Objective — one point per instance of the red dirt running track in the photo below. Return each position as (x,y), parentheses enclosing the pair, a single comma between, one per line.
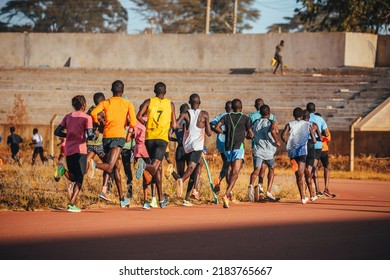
(354,225)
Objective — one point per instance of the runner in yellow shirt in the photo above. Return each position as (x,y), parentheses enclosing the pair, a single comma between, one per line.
(161,117)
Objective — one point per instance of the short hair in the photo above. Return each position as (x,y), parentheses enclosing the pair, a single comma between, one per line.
(193,97)
(265,110)
(184,107)
(117,87)
(160,88)
(258,103)
(228,105)
(311,107)
(298,112)
(306,115)
(35,130)
(98,97)
(12,129)
(78,101)
(236,104)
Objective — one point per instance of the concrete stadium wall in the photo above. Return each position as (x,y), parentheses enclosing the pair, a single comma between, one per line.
(383,53)
(195,51)
(360,49)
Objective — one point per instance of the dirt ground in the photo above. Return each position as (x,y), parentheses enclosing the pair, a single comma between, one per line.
(353,226)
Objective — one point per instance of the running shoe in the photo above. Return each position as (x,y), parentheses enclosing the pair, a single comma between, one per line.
(146,205)
(163,203)
(125,202)
(92,167)
(225,202)
(73,208)
(195,194)
(314,198)
(261,190)
(271,197)
(168,171)
(319,194)
(251,194)
(186,203)
(153,203)
(232,197)
(294,164)
(102,195)
(60,171)
(305,200)
(140,168)
(328,194)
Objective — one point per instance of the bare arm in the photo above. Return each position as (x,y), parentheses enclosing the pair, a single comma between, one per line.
(275,133)
(250,134)
(173,116)
(312,134)
(285,133)
(142,111)
(207,124)
(218,128)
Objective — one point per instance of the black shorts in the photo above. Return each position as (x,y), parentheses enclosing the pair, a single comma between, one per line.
(97,149)
(77,166)
(109,143)
(312,154)
(180,154)
(194,156)
(324,159)
(301,159)
(156,148)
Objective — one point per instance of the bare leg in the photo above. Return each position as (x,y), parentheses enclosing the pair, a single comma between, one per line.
(236,167)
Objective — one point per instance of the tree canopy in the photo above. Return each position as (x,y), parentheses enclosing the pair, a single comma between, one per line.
(94,16)
(189,16)
(370,16)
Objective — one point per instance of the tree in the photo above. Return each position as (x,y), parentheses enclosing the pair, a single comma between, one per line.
(63,16)
(370,16)
(189,16)
(18,114)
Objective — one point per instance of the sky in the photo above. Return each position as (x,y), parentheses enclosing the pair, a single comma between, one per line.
(271,11)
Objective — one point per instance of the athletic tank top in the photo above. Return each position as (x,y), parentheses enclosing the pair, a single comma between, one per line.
(297,140)
(159,119)
(264,145)
(193,137)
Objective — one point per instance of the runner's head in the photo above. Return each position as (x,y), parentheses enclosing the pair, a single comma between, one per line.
(79,103)
(311,107)
(306,115)
(265,111)
(228,106)
(194,101)
(236,105)
(12,129)
(98,97)
(184,108)
(298,113)
(117,88)
(258,103)
(160,89)
(35,130)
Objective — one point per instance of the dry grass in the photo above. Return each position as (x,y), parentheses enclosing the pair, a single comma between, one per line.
(33,188)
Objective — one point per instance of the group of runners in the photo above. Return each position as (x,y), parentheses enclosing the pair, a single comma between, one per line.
(113,131)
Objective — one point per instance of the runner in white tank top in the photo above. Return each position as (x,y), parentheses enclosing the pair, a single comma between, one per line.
(194,136)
